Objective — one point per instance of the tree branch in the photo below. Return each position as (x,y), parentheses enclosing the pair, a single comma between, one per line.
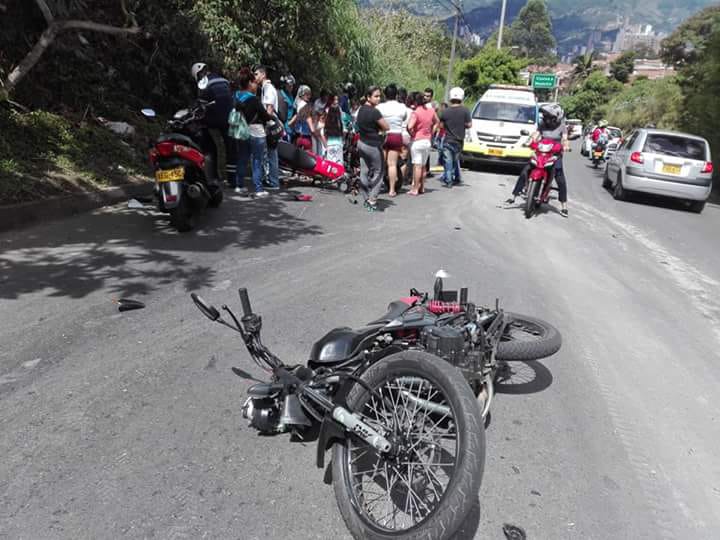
(96,27)
(42,5)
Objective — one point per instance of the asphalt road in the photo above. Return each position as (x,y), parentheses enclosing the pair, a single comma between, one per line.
(128,425)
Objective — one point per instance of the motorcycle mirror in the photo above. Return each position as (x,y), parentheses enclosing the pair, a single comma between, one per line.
(148,113)
(181,114)
(209,311)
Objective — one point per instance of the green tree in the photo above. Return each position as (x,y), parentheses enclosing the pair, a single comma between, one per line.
(686,43)
(587,98)
(622,68)
(532,33)
(490,66)
(644,102)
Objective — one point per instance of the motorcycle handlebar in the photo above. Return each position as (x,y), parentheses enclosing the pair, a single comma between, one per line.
(245,301)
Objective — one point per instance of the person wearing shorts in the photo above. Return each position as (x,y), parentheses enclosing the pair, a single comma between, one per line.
(395,114)
(421,125)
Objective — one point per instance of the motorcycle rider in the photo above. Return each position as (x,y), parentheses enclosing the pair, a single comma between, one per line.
(216,89)
(600,133)
(552,126)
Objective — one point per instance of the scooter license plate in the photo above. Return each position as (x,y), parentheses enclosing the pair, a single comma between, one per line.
(496,152)
(170,175)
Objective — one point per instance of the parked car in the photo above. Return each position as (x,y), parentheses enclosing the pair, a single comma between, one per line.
(666,163)
(574,128)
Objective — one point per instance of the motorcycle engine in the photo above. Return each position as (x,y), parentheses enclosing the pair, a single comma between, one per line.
(263,414)
(447,342)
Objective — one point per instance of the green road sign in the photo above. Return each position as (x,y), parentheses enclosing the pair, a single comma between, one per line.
(543,80)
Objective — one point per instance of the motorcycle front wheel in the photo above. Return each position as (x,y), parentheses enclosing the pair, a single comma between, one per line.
(428,483)
(533,191)
(528,338)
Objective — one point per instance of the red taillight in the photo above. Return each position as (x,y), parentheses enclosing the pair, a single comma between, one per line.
(708,168)
(637,157)
(165,149)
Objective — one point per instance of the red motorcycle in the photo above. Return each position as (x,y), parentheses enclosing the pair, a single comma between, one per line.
(540,178)
(310,165)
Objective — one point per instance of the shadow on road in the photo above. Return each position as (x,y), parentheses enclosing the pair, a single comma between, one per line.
(134,251)
(523,378)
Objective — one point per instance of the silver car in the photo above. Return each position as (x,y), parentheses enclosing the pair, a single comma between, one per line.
(662,163)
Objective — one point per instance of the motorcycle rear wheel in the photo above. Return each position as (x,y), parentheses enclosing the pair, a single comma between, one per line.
(182,217)
(430,414)
(528,338)
(533,191)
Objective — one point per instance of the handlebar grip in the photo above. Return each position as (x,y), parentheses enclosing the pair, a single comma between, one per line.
(245,301)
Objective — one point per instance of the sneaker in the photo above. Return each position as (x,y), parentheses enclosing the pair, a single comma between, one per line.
(261,194)
(272,188)
(564,212)
(238,190)
(511,200)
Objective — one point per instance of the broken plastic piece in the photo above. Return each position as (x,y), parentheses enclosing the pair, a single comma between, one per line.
(303,197)
(126,304)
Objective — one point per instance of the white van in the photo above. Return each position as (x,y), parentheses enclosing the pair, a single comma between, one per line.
(502,121)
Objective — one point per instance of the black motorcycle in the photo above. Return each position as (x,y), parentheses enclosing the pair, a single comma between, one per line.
(401,402)
(185,174)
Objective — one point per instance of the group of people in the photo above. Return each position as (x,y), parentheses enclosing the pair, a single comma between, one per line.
(395,129)
(402,126)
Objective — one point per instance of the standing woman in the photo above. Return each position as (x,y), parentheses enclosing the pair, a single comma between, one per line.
(256,116)
(333,134)
(420,126)
(370,124)
(395,114)
(302,123)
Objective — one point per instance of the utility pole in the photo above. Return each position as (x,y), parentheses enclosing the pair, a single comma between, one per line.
(458,14)
(502,24)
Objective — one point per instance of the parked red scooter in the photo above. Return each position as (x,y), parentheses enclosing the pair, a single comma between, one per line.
(540,178)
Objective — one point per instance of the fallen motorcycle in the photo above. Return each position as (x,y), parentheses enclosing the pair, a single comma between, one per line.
(401,402)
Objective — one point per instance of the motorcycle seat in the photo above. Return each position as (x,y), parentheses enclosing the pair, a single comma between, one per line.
(180,139)
(338,345)
(395,310)
(295,157)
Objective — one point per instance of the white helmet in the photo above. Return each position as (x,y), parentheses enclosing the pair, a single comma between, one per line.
(457,94)
(197,68)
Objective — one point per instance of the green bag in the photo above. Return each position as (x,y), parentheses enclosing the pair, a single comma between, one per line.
(238,126)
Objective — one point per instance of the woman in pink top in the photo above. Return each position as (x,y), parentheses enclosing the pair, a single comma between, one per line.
(421,125)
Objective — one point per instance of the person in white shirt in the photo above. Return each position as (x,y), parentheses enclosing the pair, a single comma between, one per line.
(396,115)
(269,99)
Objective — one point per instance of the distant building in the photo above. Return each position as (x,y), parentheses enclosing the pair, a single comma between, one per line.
(652,69)
(633,36)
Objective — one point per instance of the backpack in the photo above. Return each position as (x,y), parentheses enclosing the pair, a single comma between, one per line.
(239,128)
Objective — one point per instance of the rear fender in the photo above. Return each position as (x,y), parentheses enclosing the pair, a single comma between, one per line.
(171,192)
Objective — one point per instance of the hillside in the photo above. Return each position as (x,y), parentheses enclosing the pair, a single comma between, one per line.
(573,20)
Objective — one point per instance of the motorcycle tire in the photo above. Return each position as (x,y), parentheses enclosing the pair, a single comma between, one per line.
(216,199)
(528,338)
(533,191)
(460,494)
(182,216)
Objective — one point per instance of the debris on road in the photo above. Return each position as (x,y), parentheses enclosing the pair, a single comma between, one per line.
(126,304)
(303,197)
(134,203)
(513,532)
